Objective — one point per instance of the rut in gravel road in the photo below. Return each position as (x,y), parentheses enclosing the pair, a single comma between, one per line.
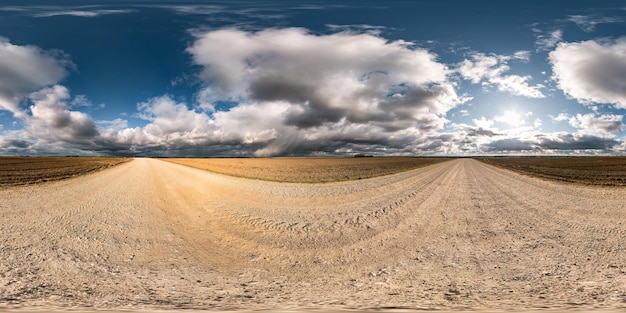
(458,233)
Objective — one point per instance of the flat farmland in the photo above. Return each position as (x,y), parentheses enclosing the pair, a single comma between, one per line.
(602,171)
(15,171)
(308,170)
(454,235)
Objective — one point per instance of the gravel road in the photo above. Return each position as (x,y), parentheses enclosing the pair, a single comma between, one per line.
(460,234)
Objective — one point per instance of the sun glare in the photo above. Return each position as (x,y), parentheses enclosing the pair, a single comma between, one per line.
(512,118)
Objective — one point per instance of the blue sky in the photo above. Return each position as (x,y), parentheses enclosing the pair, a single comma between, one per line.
(276,78)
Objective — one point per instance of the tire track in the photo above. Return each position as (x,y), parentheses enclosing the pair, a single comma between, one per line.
(373,211)
(455,234)
(244,229)
(585,207)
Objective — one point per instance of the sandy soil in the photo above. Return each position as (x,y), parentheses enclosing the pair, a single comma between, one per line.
(461,234)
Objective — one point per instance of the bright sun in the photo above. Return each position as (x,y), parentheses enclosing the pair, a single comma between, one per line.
(511,118)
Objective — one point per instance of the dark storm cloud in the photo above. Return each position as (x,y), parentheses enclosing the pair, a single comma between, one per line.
(576,142)
(479,131)
(509,144)
(13,143)
(562,142)
(315,111)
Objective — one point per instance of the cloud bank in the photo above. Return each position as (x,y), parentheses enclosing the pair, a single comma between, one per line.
(296,93)
(299,93)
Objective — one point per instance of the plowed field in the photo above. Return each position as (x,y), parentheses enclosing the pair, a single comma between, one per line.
(602,171)
(16,171)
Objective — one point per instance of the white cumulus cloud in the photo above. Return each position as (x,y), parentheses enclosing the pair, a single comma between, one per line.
(25,69)
(483,122)
(592,71)
(51,116)
(323,82)
(491,70)
(170,125)
(598,124)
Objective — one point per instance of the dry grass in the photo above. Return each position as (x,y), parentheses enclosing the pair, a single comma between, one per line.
(602,171)
(15,171)
(309,170)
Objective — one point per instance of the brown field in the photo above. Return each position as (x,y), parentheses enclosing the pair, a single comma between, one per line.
(602,171)
(15,171)
(457,235)
(308,170)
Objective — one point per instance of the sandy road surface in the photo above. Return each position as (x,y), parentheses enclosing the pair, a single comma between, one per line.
(459,234)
